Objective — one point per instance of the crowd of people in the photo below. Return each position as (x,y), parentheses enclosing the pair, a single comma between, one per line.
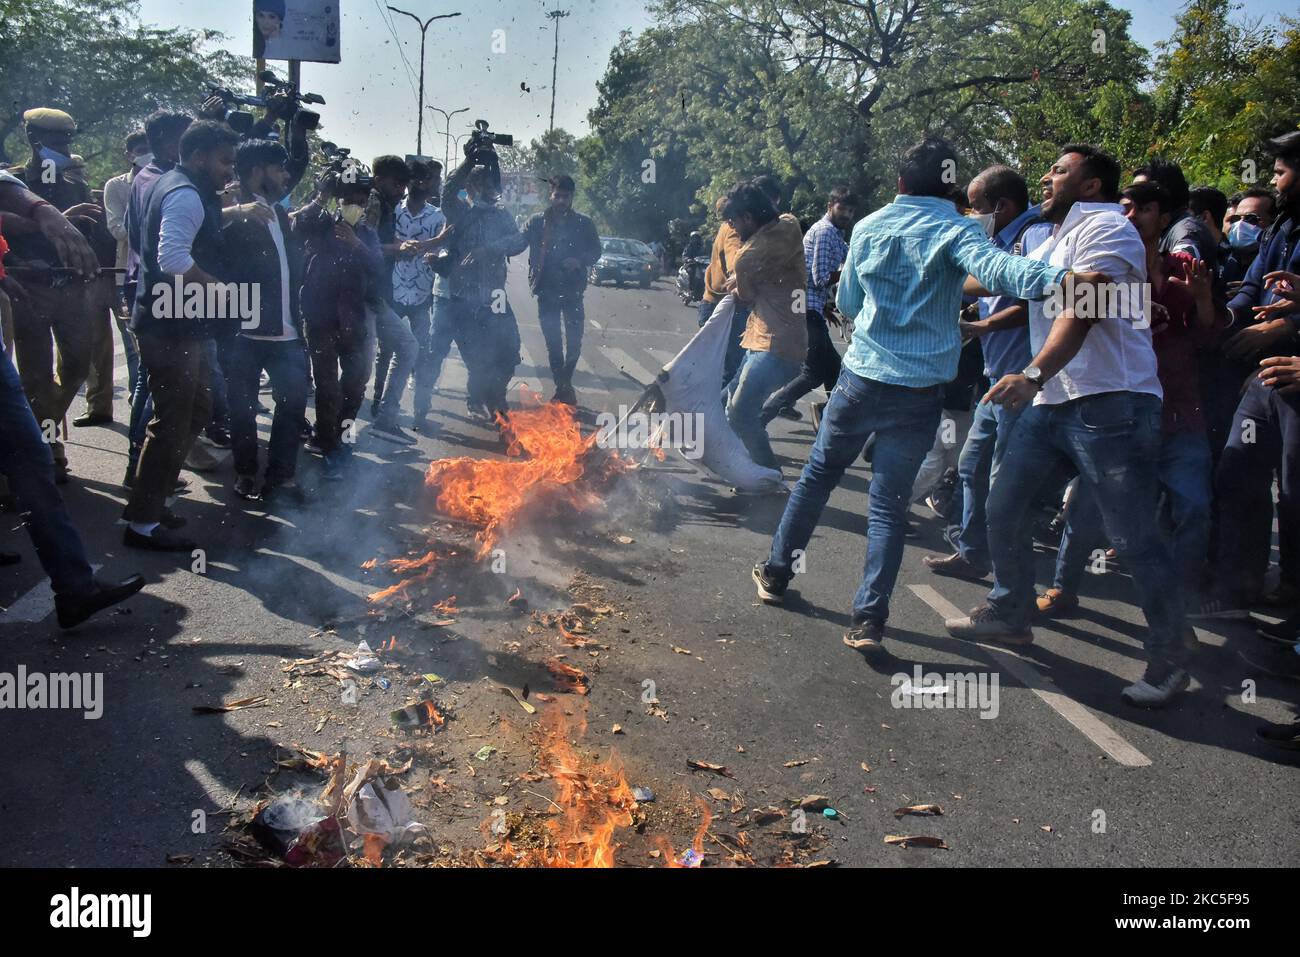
(1113,369)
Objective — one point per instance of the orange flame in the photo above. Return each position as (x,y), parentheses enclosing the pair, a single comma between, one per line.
(672,859)
(547,458)
(592,800)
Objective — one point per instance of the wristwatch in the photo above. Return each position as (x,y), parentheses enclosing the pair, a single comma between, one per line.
(1035,376)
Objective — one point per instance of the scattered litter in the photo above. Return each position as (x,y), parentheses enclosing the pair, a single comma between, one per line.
(690,858)
(865,767)
(432,678)
(424,714)
(570,680)
(815,802)
(485,752)
(914,841)
(681,651)
(257,702)
(518,700)
(794,764)
(383,683)
(297,830)
(831,813)
(719,795)
(625,540)
(617,729)
(706,766)
(921,810)
(363,660)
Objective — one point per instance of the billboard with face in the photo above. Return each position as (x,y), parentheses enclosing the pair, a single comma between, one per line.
(296,30)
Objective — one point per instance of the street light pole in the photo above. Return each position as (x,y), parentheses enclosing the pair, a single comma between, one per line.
(424,28)
(557,15)
(446,155)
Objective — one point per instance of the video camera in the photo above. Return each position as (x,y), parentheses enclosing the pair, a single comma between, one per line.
(241,121)
(307,119)
(342,169)
(481,149)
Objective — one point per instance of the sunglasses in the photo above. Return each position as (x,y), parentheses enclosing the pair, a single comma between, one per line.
(1248,218)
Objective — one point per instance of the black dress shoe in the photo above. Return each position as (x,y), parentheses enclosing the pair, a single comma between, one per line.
(74,609)
(86,420)
(161,540)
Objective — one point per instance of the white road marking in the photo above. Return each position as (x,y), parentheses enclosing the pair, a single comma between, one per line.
(629,365)
(35,606)
(1096,731)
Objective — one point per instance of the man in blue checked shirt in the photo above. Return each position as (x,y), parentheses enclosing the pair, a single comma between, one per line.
(825,251)
(903,283)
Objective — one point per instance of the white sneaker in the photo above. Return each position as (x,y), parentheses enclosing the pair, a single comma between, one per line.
(1157,686)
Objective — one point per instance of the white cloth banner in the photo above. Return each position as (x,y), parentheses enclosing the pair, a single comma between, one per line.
(694,388)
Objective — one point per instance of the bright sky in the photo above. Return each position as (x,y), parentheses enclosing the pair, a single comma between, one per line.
(371,100)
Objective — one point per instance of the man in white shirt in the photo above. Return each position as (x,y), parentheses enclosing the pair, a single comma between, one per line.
(419,228)
(264,256)
(1097,407)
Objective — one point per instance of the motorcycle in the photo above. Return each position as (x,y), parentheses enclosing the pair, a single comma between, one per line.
(690,279)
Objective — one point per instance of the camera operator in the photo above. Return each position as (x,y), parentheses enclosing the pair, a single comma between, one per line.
(340,274)
(72,310)
(395,336)
(267,258)
(484,237)
(180,241)
(281,107)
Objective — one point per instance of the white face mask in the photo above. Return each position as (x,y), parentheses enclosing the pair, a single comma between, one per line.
(987,221)
(352,213)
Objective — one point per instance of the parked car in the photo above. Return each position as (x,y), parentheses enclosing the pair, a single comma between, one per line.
(625,261)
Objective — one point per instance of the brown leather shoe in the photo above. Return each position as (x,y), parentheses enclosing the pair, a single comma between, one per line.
(954,566)
(1055,603)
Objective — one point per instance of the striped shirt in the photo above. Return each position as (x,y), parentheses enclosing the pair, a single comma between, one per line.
(824,249)
(902,285)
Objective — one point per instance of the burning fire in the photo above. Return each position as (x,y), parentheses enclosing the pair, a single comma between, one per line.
(548,455)
(592,802)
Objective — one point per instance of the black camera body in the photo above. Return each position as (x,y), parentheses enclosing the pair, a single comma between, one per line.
(342,169)
(241,121)
(481,149)
(273,85)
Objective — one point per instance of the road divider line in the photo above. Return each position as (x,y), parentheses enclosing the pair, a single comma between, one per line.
(1087,723)
(625,363)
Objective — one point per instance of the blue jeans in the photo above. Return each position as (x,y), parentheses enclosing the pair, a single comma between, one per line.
(436,336)
(1184,470)
(986,444)
(1113,439)
(761,374)
(286,364)
(27,462)
(735,352)
(904,421)
(396,338)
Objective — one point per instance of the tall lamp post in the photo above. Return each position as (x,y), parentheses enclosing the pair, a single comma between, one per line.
(557,15)
(446,155)
(424,29)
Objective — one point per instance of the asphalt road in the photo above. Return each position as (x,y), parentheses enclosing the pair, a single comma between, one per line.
(1054,770)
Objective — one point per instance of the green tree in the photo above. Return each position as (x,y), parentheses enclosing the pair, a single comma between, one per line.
(97,61)
(1226,86)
